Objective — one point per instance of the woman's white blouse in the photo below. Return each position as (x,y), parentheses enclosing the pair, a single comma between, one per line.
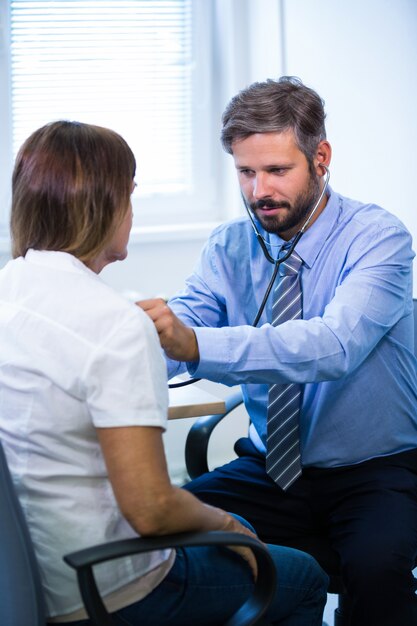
(74,355)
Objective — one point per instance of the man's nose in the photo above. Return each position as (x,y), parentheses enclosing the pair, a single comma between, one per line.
(262,186)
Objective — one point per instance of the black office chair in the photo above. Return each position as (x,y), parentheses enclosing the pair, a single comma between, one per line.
(196,459)
(21,597)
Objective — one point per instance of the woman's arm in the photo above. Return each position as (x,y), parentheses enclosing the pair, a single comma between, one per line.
(138,473)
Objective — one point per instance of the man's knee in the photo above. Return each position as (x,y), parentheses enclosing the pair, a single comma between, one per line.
(382,572)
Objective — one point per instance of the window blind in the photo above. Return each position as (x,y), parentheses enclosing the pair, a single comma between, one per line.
(124,64)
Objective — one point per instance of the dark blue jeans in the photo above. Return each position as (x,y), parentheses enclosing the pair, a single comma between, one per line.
(207,585)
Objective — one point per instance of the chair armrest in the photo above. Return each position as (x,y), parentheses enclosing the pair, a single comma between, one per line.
(249,613)
(196,445)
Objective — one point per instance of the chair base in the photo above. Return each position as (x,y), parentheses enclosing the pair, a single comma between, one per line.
(339,619)
(342,612)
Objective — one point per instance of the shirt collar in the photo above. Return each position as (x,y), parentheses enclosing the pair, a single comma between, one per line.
(59,261)
(316,235)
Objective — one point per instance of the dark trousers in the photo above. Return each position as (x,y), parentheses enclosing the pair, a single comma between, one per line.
(367,513)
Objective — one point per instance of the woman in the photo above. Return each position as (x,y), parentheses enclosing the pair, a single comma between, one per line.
(84,404)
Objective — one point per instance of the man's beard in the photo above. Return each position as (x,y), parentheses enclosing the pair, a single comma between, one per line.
(298,211)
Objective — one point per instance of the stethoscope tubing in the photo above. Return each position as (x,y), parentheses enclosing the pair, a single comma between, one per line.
(281,259)
(276,262)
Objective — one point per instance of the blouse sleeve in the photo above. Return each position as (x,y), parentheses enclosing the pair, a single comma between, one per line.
(126,377)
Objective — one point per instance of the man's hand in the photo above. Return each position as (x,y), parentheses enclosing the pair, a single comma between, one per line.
(178,341)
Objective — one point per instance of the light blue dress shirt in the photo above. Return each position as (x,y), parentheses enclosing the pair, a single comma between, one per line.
(353,349)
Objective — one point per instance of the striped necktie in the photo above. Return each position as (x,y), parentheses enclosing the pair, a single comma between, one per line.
(283,444)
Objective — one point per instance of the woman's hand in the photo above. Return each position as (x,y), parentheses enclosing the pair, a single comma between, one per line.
(234,526)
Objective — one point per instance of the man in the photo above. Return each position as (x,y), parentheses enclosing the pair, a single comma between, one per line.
(330,364)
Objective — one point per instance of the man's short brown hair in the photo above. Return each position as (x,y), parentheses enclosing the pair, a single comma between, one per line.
(276,106)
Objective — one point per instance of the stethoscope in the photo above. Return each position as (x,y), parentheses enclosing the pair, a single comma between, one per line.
(288,252)
(281,258)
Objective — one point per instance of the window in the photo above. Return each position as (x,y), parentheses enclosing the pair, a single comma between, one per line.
(157,71)
(137,66)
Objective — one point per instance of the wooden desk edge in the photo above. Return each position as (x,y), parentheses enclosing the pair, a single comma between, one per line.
(196,410)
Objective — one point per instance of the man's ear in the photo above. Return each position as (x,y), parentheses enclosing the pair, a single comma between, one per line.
(323,156)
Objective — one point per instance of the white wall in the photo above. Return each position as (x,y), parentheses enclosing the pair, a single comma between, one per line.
(361,56)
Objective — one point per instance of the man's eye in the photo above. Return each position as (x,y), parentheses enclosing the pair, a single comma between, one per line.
(246,172)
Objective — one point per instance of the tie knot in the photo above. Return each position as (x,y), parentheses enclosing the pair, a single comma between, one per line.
(291,265)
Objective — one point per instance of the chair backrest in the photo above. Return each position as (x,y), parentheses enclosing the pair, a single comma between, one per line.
(21,595)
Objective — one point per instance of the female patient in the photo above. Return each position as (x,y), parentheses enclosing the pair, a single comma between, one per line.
(83,404)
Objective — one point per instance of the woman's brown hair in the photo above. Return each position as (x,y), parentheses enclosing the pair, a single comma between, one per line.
(70,189)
